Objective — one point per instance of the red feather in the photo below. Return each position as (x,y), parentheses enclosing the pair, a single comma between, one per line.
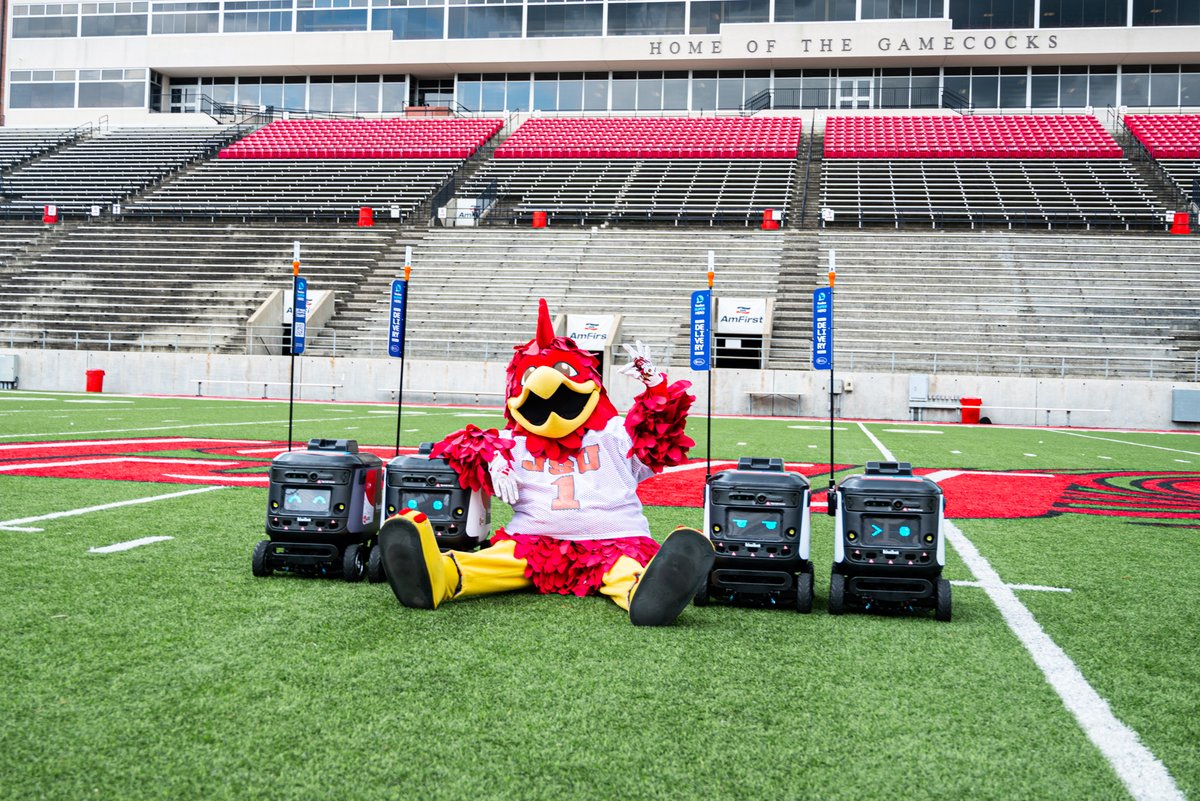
(470,451)
(656,424)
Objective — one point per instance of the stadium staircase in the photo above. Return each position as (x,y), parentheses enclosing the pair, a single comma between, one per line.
(133,285)
(800,273)
(1078,304)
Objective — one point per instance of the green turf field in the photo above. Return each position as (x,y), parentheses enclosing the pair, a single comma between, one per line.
(169,671)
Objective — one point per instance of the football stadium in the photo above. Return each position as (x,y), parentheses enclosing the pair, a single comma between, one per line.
(847,349)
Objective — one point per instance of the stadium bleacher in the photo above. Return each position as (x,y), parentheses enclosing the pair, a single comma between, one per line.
(107,167)
(1009,303)
(397,138)
(1017,171)
(1173,140)
(637,273)
(1063,136)
(129,285)
(655,138)
(1167,136)
(18,145)
(295,188)
(669,171)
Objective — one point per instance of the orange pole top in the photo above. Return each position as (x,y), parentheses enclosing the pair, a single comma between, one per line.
(407,272)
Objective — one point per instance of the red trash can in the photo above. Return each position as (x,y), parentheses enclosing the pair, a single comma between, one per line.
(539,219)
(366,217)
(1181,224)
(95,381)
(769,222)
(970,408)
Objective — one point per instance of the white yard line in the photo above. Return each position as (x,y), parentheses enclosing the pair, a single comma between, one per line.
(263,479)
(173,427)
(1144,776)
(18,466)
(1126,442)
(75,443)
(886,453)
(103,507)
(127,546)
(1035,587)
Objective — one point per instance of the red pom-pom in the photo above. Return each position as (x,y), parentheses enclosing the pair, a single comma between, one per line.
(656,423)
(470,451)
(574,567)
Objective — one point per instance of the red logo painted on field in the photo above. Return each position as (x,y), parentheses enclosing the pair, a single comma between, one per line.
(969,493)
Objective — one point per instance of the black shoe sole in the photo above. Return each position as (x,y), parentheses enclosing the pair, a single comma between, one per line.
(404,563)
(672,578)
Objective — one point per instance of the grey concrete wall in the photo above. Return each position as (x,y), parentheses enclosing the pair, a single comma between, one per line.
(1099,402)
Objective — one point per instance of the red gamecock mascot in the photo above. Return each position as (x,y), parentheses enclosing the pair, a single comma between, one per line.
(570,467)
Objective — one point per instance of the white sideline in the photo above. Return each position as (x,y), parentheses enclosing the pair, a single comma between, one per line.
(127,546)
(1144,776)
(116,505)
(1125,442)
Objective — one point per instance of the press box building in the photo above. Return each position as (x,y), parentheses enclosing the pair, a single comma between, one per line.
(139,61)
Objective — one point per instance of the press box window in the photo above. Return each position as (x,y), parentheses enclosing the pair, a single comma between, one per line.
(41,89)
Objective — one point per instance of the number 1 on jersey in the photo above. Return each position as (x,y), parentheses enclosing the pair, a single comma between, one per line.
(566,494)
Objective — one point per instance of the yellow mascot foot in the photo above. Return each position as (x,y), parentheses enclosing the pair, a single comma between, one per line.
(415,567)
(672,578)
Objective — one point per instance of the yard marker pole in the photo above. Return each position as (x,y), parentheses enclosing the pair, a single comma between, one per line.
(292,343)
(713,356)
(397,329)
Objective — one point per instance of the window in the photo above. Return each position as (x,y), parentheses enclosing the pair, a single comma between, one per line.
(45,21)
(185,17)
(1083,13)
(1166,12)
(708,15)
(258,16)
(565,19)
(903,9)
(41,89)
(991,13)
(410,19)
(645,19)
(331,15)
(813,10)
(471,19)
(112,88)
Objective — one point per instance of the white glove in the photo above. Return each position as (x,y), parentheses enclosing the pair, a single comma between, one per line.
(640,366)
(504,481)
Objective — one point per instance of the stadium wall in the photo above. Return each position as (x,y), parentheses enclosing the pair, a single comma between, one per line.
(1110,403)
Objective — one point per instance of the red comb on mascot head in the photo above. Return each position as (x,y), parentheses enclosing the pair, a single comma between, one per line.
(569,465)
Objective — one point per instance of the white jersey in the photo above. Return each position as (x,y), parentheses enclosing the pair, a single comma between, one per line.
(590,496)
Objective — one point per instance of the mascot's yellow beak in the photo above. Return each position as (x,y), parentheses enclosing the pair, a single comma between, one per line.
(552,405)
